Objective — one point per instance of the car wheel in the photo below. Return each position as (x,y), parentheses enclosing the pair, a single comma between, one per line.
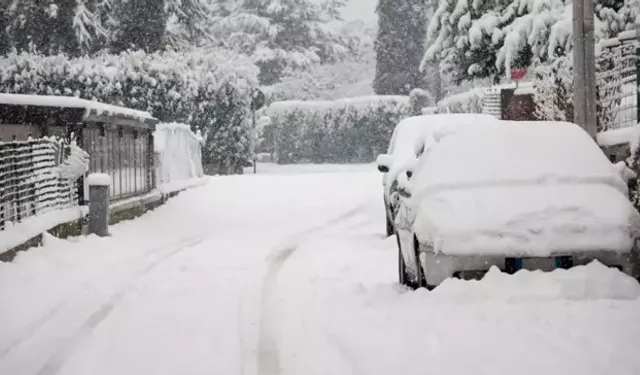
(403,278)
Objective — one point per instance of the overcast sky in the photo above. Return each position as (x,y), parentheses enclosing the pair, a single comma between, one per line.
(363,10)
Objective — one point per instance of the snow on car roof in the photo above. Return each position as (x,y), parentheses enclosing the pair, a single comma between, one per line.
(413,132)
(514,152)
(72,102)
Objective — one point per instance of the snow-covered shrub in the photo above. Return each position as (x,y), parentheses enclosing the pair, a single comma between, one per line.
(466,102)
(553,89)
(419,99)
(209,91)
(341,131)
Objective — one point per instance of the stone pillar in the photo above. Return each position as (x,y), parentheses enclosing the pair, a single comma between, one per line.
(99,186)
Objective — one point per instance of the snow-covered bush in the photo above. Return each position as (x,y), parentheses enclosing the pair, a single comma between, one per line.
(553,89)
(466,102)
(341,131)
(209,91)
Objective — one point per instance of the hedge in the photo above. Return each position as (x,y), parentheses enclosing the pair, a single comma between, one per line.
(352,130)
(209,91)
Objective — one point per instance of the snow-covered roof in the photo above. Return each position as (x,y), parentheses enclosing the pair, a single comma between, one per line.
(73,102)
(523,187)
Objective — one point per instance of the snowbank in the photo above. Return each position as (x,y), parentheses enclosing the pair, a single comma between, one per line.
(17,234)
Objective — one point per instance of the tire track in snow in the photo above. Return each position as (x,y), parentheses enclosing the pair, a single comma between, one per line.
(53,312)
(268,353)
(56,361)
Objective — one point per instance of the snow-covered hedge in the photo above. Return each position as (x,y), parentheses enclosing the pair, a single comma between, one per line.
(466,102)
(209,91)
(179,154)
(340,131)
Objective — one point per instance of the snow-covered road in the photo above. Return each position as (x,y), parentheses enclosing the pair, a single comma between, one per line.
(288,272)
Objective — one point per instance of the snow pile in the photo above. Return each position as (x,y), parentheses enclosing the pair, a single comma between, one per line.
(179,155)
(345,130)
(76,164)
(513,188)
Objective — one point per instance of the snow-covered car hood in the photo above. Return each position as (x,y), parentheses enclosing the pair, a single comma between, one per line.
(534,220)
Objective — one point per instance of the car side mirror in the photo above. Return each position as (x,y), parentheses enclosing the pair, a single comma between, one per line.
(384,162)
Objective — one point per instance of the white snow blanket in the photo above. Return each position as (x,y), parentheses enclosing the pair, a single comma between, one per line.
(179,154)
(526,188)
(291,274)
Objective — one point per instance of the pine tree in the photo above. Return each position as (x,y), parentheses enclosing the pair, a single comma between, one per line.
(44,27)
(141,25)
(281,35)
(189,22)
(399,46)
(5,40)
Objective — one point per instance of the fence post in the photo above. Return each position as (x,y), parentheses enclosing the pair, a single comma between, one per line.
(99,185)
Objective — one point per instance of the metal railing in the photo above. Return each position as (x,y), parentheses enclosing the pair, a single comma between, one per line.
(125,154)
(30,180)
(617,86)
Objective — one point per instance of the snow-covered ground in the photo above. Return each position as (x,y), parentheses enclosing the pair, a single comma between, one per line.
(289,273)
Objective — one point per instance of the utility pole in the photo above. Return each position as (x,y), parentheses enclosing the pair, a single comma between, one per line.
(584,67)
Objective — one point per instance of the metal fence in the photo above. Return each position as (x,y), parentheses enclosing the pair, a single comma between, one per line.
(30,180)
(617,93)
(125,154)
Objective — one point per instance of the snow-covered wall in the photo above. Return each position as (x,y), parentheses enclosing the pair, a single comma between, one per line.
(178,153)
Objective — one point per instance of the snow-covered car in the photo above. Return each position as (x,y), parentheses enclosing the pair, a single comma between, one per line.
(407,142)
(514,195)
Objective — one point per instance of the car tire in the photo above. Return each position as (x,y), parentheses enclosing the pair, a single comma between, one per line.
(403,278)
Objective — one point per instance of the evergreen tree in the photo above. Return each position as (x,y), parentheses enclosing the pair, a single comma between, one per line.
(5,40)
(399,46)
(141,25)
(44,27)
(282,35)
(189,22)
